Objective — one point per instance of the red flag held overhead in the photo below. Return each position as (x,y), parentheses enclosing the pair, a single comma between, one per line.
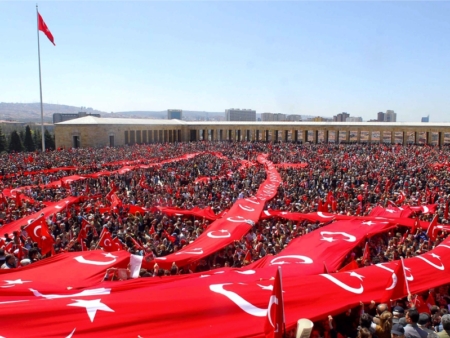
(43,28)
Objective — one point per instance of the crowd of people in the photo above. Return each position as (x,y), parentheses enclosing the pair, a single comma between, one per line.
(358,176)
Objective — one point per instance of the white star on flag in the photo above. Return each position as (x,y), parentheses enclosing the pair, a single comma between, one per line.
(435,256)
(369,223)
(11,283)
(17,281)
(110,255)
(92,306)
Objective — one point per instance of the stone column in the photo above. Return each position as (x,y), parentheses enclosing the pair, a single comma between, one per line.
(315,136)
(358,136)
(405,138)
(370,136)
(441,138)
(429,137)
(336,136)
(392,136)
(381,137)
(416,137)
(304,136)
(295,135)
(347,136)
(325,136)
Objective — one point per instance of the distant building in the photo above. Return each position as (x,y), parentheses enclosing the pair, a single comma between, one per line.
(380,117)
(294,117)
(280,117)
(58,117)
(390,116)
(240,115)
(267,117)
(318,119)
(426,119)
(342,117)
(174,114)
(354,119)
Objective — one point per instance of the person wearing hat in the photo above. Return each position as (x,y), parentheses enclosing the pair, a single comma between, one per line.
(397,312)
(397,331)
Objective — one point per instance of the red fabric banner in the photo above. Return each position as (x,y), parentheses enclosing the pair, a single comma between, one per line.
(240,218)
(209,303)
(329,244)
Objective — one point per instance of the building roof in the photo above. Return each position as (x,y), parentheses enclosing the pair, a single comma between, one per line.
(118,121)
(92,120)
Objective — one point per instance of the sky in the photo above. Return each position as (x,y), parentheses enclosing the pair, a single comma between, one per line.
(316,58)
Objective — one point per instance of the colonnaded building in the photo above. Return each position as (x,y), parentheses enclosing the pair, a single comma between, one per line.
(91,131)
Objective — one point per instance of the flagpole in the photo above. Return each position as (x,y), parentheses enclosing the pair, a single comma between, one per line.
(40,81)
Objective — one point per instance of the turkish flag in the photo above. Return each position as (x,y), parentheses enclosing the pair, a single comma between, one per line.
(117,244)
(169,237)
(431,229)
(43,28)
(136,244)
(366,255)
(274,324)
(350,266)
(106,241)
(152,230)
(39,233)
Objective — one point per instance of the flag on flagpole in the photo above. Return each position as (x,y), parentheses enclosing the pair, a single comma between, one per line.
(43,28)
(274,325)
(350,266)
(431,229)
(366,255)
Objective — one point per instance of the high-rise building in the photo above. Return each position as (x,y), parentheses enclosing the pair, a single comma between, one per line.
(240,115)
(380,116)
(174,114)
(342,117)
(390,116)
(426,119)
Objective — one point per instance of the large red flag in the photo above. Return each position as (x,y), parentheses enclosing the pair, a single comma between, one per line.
(274,324)
(39,233)
(43,28)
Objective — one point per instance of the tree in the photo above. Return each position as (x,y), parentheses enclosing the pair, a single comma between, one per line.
(37,138)
(28,142)
(15,143)
(2,141)
(49,140)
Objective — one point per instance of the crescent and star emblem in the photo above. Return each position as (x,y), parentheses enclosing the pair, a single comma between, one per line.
(222,234)
(302,259)
(238,300)
(349,238)
(345,286)
(82,260)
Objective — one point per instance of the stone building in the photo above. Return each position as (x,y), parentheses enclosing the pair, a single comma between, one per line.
(96,132)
